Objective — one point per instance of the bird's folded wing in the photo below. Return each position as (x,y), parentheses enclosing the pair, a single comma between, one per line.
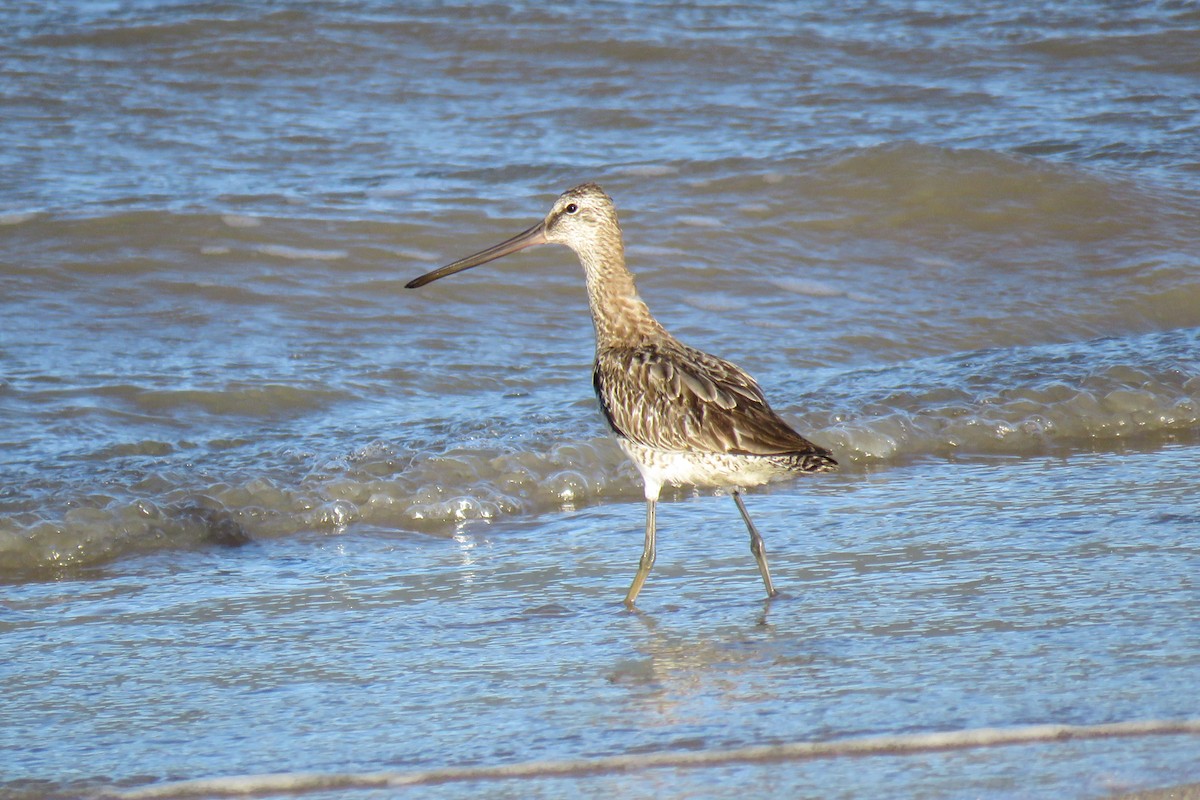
(681,399)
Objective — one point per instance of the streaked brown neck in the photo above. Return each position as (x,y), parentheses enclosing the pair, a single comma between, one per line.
(618,313)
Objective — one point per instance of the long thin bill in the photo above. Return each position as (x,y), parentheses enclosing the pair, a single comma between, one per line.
(535,235)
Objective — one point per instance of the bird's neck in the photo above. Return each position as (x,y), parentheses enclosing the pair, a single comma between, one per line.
(619,315)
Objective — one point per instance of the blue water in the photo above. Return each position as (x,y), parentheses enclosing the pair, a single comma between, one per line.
(264,510)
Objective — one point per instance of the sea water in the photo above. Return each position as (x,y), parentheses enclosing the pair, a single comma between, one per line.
(264,510)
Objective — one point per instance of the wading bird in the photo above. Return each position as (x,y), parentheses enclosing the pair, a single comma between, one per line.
(682,416)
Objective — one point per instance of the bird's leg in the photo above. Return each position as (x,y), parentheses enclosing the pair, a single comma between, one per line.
(756,546)
(647,559)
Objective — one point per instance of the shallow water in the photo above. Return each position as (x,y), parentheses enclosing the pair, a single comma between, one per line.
(263,509)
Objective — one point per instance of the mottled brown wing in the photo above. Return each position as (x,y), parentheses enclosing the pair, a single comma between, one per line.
(678,398)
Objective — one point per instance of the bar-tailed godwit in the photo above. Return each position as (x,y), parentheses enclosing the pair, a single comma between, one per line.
(682,416)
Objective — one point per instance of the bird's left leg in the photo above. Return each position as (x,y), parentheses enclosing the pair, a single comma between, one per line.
(756,546)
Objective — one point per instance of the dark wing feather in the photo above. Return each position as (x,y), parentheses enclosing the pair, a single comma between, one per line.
(674,397)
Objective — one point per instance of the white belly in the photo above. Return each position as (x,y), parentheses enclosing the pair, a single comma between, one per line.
(662,467)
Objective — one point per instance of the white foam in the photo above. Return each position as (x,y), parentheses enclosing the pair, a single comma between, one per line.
(17,217)
(301,254)
(698,221)
(654,250)
(650,170)
(808,288)
(240,221)
(714,303)
(417,255)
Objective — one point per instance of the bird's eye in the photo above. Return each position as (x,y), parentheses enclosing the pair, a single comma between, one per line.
(571,208)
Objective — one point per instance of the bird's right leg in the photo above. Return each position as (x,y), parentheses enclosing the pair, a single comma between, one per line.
(647,559)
